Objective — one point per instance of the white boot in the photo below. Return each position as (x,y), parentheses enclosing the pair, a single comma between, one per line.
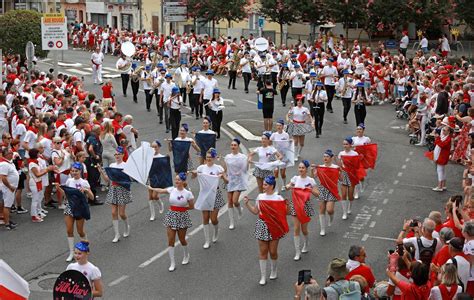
(70,244)
(322,223)
(356,192)
(296,240)
(152,210)
(273,273)
(161,207)
(126,232)
(115,224)
(349,207)
(215,234)
(240,211)
(329,219)
(171,255)
(263,271)
(185,256)
(206,236)
(297,153)
(305,244)
(344,209)
(231,218)
(300,150)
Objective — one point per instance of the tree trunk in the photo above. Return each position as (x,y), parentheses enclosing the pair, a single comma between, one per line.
(213,28)
(229,21)
(281,34)
(347,30)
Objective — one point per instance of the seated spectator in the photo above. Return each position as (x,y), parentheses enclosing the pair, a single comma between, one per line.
(337,283)
(356,266)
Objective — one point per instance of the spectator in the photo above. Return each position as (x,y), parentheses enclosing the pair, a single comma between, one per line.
(457,258)
(312,291)
(449,287)
(337,283)
(420,287)
(356,266)
(425,243)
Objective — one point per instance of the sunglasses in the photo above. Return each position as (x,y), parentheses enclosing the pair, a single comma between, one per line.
(8,138)
(116,154)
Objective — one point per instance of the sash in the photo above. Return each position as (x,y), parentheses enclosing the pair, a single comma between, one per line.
(329,177)
(180,155)
(300,197)
(273,213)
(207,192)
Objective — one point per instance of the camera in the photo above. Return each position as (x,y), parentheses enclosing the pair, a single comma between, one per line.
(414,223)
(304,276)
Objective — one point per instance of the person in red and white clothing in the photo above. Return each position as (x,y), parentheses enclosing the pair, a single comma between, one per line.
(441,155)
(97,59)
(9,178)
(356,265)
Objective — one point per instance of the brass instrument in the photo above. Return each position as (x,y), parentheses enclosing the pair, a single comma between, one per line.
(344,88)
(283,81)
(125,68)
(135,77)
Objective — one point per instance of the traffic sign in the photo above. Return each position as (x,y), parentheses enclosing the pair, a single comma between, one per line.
(175,12)
(261,22)
(176,18)
(54,32)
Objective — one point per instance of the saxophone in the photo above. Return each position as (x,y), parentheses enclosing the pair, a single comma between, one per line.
(283,81)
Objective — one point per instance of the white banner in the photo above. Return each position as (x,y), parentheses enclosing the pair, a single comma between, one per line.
(237,167)
(287,149)
(207,191)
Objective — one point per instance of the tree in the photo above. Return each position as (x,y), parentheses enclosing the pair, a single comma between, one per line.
(347,12)
(314,12)
(17,28)
(233,10)
(430,16)
(283,12)
(465,11)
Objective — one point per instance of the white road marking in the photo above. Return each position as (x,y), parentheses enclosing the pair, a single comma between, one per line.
(110,69)
(399,174)
(243,131)
(249,101)
(80,72)
(111,76)
(118,280)
(372,224)
(411,153)
(382,238)
(74,65)
(395,182)
(404,167)
(390,191)
(397,127)
(385,201)
(379,212)
(407,159)
(365,237)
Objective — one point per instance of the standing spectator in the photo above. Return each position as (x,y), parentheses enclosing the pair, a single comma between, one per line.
(445,49)
(356,265)
(442,100)
(425,245)
(338,284)
(463,266)
(97,59)
(10,178)
(404,43)
(420,287)
(449,287)
(94,149)
(441,155)
(424,44)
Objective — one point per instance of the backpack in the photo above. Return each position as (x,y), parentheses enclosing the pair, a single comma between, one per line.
(426,253)
(460,283)
(348,292)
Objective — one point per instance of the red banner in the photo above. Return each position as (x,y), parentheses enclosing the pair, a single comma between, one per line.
(329,178)
(273,213)
(369,154)
(299,197)
(351,166)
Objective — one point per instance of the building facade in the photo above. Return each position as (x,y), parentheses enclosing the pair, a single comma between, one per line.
(122,14)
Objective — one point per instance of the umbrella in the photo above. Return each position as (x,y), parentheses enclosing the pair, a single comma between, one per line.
(12,285)
(139,163)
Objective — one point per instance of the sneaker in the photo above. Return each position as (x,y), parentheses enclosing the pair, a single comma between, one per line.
(437,189)
(44,211)
(10,227)
(62,206)
(42,215)
(36,219)
(420,144)
(2,222)
(20,210)
(13,209)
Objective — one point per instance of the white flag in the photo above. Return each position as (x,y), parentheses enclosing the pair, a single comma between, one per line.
(287,149)
(207,191)
(12,285)
(237,168)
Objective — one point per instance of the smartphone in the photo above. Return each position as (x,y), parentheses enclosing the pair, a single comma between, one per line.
(304,276)
(393,261)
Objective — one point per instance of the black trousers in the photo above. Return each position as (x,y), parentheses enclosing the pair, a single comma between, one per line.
(346,103)
(360,113)
(274,80)
(311,108)
(247,78)
(135,88)
(183,93)
(206,107)
(318,117)
(216,119)
(232,79)
(148,98)
(125,79)
(93,175)
(198,107)
(157,97)
(330,90)
(284,92)
(175,120)
(296,91)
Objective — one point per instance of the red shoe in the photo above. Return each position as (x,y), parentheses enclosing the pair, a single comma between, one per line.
(36,219)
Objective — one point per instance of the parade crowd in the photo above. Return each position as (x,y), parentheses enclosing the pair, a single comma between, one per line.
(59,140)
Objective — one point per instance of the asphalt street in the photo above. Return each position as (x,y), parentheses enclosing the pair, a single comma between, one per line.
(137,266)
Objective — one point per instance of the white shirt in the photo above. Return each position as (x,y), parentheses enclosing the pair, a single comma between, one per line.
(217,104)
(264,196)
(8,169)
(300,113)
(464,268)
(357,141)
(280,136)
(209,86)
(77,183)
(425,242)
(97,58)
(435,293)
(145,75)
(121,63)
(166,90)
(303,183)
(179,198)
(424,43)
(329,74)
(445,45)
(404,42)
(212,170)
(245,65)
(320,96)
(89,270)
(348,92)
(297,81)
(265,153)
(198,86)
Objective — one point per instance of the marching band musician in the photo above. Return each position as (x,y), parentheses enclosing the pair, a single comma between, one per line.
(233,68)
(174,103)
(146,79)
(310,86)
(195,98)
(296,78)
(123,64)
(345,89)
(158,79)
(135,80)
(166,91)
(244,65)
(284,84)
(273,66)
(182,78)
(97,58)
(319,98)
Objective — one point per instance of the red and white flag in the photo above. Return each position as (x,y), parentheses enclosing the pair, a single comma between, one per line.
(273,213)
(369,154)
(329,178)
(299,197)
(12,285)
(352,166)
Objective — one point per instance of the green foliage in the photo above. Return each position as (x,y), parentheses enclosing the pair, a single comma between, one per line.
(281,11)
(314,11)
(216,10)
(465,11)
(17,28)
